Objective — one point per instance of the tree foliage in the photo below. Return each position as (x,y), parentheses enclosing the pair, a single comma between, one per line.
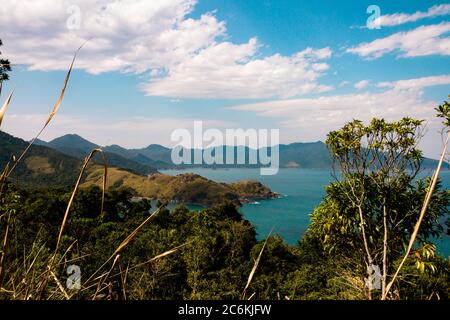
(5,68)
(370,211)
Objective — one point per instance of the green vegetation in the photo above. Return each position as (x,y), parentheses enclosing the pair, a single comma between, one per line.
(216,249)
(371,217)
(367,218)
(370,212)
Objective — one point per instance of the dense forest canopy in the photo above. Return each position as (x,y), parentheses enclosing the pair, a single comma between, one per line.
(216,252)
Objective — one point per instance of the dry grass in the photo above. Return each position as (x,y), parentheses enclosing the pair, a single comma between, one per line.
(4,107)
(255,266)
(128,239)
(9,168)
(30,280)
(77,184)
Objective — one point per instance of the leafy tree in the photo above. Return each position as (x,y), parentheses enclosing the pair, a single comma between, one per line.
(5,68)
(443,111)
(371,209)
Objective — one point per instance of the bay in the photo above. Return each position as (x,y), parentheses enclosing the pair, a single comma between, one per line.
(301,191)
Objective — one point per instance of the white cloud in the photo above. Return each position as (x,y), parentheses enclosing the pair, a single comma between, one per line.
(362,84)
(413,84)
(181,56)
(396,19)
(226,70)
(311,119)
(422,41)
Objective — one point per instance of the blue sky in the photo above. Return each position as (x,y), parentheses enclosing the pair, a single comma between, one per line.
(304,67)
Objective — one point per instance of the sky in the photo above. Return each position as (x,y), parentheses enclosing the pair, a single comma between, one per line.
(149,67)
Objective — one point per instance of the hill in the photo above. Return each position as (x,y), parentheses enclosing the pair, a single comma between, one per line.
(78,147)
(41,166)
(184,188)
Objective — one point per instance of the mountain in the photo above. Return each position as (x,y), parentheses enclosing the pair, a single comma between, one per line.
(41,166)
(78,147)
(157,152)
(305,155)
(72,144)
(154,155)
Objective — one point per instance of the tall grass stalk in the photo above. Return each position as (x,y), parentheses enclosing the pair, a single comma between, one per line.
(423,211)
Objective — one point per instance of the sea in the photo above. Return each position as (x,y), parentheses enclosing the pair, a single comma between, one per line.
(301,191)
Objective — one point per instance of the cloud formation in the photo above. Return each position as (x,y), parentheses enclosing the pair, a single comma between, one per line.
(422,41)
(418,83)
(390,20)
(226,70)
(179,56)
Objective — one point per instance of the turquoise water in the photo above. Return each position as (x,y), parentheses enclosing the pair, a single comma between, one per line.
(301,190)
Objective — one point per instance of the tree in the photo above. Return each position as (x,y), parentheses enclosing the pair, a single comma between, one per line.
(443,112)
(371,209)
(5,68)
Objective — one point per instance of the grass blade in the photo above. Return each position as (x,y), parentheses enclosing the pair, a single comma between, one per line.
(255,266)
(72,197)
(4,107)
(51,115)
(128,239)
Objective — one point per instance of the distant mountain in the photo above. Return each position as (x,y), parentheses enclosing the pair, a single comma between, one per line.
(157,152)
(78,147)
(305,155)
(154,155)
(310,155)
(72,143)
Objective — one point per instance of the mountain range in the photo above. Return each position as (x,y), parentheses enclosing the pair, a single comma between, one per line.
(57,162)
(155,156)
(313,155)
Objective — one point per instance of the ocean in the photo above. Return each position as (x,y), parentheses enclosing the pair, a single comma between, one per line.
(301,189)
